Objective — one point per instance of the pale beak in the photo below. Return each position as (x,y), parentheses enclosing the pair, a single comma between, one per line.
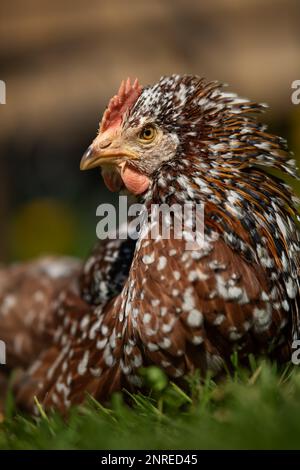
(88,159)
(95,156)
(114,157)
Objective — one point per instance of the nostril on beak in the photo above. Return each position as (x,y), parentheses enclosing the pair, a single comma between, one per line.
(105,145)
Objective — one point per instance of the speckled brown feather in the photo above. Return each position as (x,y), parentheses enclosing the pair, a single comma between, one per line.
(176,308)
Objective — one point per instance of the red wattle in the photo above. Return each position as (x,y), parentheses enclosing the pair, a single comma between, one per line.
(134,181)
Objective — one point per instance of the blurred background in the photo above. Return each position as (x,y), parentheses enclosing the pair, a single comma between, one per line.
(62,60)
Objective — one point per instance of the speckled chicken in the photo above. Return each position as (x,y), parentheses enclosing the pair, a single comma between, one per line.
(182,140)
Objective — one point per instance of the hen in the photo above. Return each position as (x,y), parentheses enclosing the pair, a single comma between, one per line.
(182,140)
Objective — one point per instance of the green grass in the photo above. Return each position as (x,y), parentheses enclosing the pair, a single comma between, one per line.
(255,409)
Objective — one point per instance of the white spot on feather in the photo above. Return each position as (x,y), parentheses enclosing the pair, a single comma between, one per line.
(162,262)
(82,366)
(194,318)
(148,259)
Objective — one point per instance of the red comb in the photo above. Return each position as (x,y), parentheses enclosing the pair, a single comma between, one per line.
(127,95)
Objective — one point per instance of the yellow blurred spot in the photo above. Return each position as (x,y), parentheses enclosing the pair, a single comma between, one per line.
(43,226)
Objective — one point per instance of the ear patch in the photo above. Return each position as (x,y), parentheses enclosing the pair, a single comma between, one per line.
(127,95)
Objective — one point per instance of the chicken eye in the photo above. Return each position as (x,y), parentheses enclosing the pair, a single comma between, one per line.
(147,134)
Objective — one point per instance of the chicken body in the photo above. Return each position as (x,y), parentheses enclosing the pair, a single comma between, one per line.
(181,141)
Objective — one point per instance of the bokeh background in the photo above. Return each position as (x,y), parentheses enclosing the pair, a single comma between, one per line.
(62,60)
